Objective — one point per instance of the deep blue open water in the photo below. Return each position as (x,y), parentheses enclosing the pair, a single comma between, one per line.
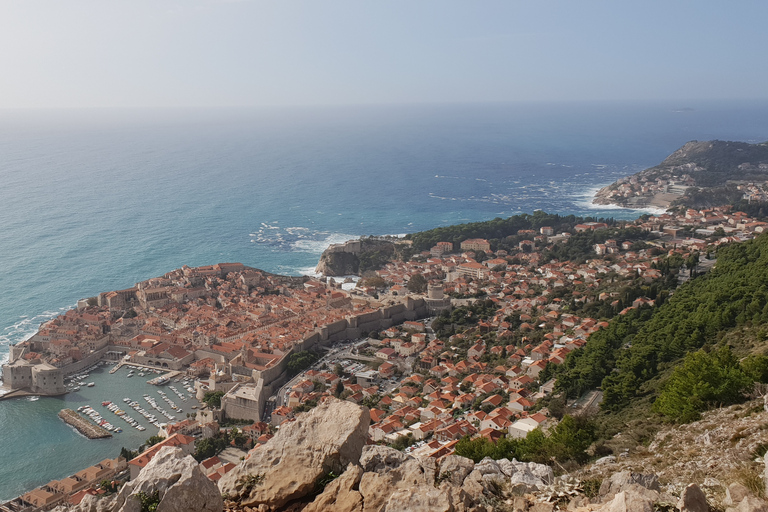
(97,200)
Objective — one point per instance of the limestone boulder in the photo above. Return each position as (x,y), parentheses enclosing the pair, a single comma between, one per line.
(290,465)
(341,495)
(749,504)
(380,459)
(178,481)
(628,501)
(489,468)
(91,503)
(530,474)
(485,478)
(735,493)
(454,469)
(621,480)
(419,499)
(388,471)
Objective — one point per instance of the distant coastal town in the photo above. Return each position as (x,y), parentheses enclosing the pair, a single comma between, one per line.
(454,341)
(697,174)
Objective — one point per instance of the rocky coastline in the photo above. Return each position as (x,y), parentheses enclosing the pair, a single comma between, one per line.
(355,256)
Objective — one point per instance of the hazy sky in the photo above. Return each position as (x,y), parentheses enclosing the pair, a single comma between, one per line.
(72,53)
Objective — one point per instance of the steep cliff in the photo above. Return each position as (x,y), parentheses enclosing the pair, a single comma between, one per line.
(356,256)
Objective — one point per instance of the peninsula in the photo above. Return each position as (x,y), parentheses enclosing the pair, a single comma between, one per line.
(698,175)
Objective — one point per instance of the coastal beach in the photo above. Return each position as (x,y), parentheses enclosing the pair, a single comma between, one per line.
(99,202)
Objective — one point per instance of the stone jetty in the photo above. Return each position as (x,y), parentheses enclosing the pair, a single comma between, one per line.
(82,425)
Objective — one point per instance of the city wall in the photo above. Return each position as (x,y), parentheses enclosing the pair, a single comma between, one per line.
(87,361)
(271,379)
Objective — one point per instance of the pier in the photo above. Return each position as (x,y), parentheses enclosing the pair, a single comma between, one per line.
(164,379)
(82,425)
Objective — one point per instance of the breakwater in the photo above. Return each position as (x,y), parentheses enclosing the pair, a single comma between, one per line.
(82,425)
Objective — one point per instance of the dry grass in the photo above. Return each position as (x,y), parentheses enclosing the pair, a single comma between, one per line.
(752,480)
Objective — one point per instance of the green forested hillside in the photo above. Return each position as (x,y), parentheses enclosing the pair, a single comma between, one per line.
(640,345)
(496,229)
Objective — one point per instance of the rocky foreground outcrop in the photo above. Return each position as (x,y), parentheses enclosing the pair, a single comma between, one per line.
(172,481)
(341,473)
(302,453)
(321,462)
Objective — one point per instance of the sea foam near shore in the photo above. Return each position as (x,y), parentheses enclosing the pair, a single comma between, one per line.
(587,201)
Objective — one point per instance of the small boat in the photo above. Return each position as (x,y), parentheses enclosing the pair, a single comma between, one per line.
(91,384)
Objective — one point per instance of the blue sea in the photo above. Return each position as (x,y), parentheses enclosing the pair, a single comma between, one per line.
(96,200)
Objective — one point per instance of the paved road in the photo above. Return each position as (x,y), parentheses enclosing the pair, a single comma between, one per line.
(282,394)
(587,402)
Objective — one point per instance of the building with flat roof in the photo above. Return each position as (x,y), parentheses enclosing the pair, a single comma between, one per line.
(244,402)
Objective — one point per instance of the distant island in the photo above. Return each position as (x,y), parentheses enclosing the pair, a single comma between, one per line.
(698,175)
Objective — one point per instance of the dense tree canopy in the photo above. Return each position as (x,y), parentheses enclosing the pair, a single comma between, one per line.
(703,380)
(496,230)
(300,361)
(639,345)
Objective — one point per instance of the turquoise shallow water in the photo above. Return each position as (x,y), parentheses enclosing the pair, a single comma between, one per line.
(98,200)
(39,447)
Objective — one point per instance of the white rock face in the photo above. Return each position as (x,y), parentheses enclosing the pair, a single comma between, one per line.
(388,471)
(534,476)
(290,465)
(621,480)
(178,480)
(181,484)
(628,501)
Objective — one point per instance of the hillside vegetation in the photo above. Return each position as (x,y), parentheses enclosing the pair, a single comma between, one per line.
(626,358)
(497,230)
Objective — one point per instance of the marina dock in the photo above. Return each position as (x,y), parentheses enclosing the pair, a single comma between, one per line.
(82,425)
(164,379)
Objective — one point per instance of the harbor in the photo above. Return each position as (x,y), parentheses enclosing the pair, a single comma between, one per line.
(63,450)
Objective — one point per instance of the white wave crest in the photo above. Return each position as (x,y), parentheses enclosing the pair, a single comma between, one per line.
(26,327)
(319,244)
(308,271)
(585,199)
